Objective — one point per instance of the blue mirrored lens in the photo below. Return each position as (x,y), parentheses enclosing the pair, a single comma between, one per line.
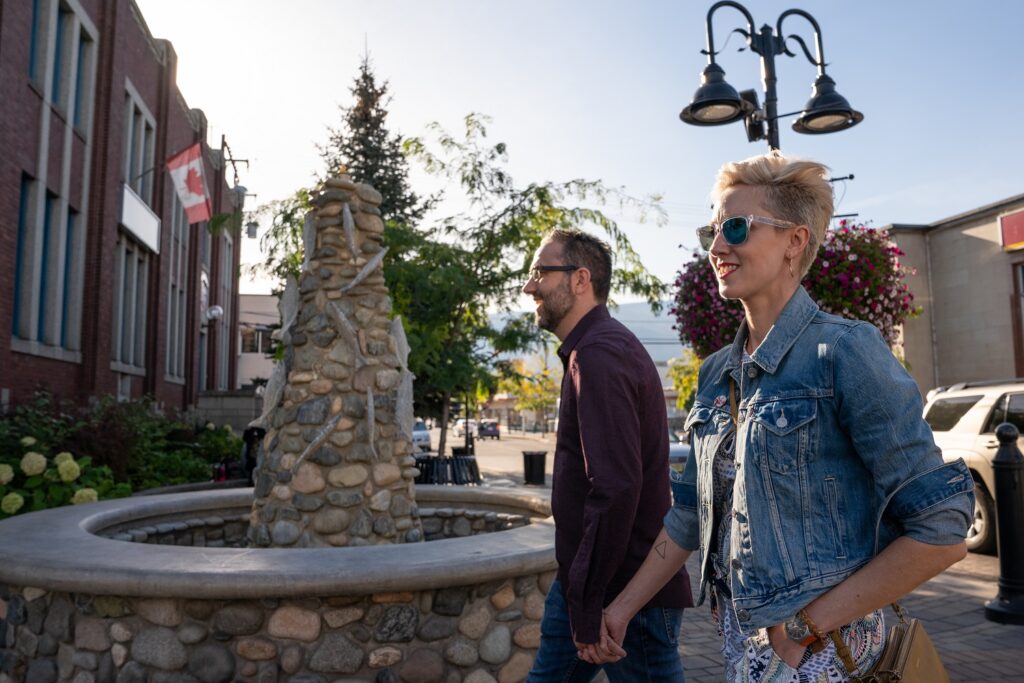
(734,230)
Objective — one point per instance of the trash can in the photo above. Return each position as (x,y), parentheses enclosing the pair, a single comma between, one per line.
(533,467)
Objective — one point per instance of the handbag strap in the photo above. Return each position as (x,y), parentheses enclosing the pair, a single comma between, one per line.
(844,651)
(732,402)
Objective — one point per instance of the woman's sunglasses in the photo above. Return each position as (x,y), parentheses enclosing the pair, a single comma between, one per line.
(735,230)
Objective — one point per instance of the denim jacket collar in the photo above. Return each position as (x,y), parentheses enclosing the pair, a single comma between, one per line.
(795,317)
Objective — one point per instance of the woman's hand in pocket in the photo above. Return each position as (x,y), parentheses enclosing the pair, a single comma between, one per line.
(789,651)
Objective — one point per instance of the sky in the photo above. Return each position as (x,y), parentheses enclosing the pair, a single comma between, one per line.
(592,89)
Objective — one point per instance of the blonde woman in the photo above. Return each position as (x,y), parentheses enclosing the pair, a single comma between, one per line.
(814,492)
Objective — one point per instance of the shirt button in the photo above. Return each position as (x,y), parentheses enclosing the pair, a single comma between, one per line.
(736,564)
(752,372)
(743,615)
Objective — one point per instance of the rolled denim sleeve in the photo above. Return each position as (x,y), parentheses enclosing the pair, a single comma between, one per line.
(935,506)
(682,522)
(880,409)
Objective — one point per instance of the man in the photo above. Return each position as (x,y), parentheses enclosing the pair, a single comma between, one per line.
(610,487)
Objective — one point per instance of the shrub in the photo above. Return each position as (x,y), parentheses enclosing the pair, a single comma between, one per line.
(130,440)
(30,481)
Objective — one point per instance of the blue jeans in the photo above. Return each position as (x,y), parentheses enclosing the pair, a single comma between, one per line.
(651,645)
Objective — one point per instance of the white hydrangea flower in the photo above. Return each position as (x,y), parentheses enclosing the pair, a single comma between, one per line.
(33,463)
(84,496)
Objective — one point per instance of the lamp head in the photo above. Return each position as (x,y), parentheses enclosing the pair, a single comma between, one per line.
(715,102)
(827,111)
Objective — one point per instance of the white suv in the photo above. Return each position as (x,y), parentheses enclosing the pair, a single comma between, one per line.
(963,418)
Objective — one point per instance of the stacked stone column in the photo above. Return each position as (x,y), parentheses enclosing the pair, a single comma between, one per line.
(338,469)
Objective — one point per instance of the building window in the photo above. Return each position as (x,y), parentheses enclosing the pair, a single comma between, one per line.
(47,271)
(227,336)
(130,294)
(140,136)
(67,275)
(62,57)
(177,318)
(21,256)
(51,213)
(36,40)
(256,339)
(82,103)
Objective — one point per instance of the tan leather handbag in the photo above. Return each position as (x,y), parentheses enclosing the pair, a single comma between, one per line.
(909,656)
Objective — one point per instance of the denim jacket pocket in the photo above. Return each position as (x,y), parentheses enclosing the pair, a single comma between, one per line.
(785,436)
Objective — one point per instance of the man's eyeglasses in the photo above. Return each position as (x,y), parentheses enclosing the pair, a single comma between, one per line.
(537,272)
(736,229)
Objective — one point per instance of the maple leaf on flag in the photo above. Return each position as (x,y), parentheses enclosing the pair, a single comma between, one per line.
(194,183)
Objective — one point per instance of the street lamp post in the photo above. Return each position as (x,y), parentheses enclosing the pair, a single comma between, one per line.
(716,102)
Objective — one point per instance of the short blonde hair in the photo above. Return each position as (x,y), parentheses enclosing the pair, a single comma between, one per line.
(794,190)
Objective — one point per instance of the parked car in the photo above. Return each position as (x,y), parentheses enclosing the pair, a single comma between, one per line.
(489,429)
(421,436)
(963,418)
(678,451)
(464,425)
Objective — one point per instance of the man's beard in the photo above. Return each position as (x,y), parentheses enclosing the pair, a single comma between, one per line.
(553,308)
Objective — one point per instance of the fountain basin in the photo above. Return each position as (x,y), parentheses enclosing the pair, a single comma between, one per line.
(74,588)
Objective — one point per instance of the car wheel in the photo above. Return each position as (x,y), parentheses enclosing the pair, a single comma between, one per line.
(981,535)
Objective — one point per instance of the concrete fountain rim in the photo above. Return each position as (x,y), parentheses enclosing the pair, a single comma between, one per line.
(58,550)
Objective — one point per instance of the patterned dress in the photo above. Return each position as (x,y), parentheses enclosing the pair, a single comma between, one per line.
(752,659)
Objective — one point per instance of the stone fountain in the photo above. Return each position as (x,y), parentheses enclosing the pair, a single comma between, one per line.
(338,410)
(320,574)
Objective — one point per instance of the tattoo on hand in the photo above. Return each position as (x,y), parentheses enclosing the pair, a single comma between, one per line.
(660,549)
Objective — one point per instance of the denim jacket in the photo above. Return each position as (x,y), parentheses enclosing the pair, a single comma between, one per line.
(833,462)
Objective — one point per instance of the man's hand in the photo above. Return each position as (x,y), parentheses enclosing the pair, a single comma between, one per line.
(789,651)
(609,648)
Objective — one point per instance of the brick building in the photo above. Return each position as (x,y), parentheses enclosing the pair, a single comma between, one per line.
(104,287)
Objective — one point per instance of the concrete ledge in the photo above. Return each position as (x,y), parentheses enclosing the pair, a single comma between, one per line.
(59,550)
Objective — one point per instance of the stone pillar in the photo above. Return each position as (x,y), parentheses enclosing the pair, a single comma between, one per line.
(338,468)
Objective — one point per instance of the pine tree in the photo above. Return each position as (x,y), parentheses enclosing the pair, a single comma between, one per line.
(369,152)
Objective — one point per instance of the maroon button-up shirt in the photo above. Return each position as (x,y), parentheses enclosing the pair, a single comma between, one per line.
(610,489)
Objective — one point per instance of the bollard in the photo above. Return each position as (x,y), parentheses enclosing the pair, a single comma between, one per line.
(1008,468)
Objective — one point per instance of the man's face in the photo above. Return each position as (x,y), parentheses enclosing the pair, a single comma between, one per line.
(553,291)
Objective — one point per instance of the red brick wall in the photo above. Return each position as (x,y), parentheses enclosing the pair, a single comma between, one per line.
(125,51)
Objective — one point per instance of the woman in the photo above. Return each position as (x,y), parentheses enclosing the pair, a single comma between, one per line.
(814,490)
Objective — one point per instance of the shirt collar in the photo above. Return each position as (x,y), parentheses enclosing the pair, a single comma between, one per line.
(594,315)
(795,317)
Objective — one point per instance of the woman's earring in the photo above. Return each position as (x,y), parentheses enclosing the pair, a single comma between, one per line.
(790,262)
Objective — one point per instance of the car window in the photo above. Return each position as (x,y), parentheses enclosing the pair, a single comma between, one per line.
(1009,408)
(420,426)
(946,412)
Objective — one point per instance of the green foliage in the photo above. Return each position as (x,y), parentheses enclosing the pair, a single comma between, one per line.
(281,245)
(127,445)
(448,278)
(534,390)
(683,372)
(369,153)
(30,481)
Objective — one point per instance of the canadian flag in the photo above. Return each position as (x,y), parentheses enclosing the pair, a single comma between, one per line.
(186,168)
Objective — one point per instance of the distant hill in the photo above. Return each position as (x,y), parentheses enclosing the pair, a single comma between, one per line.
(654,332)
